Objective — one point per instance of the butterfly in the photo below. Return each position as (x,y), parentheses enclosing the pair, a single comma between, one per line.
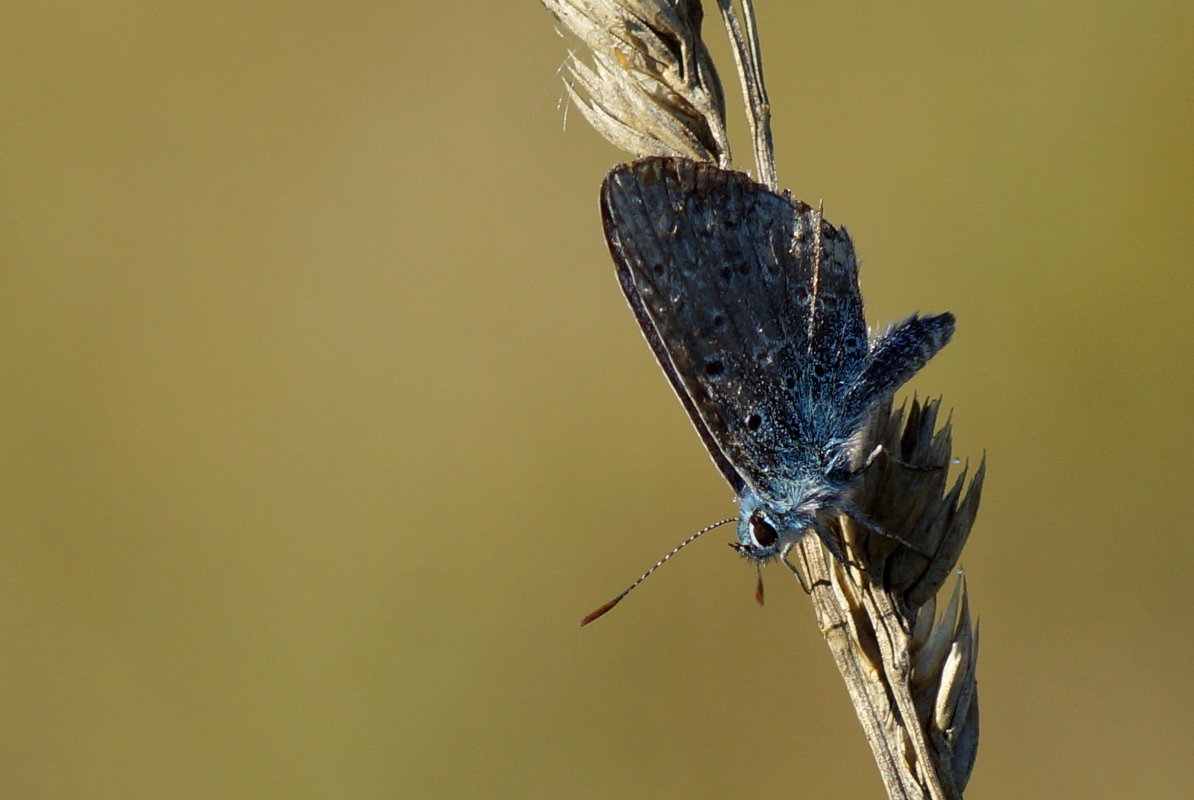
(750,302)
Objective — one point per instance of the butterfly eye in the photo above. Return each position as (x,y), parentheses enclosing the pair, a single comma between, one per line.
(763,532)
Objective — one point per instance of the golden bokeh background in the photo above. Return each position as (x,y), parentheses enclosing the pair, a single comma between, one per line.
(324,420)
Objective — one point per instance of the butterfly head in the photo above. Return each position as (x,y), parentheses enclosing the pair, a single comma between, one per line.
(768,529)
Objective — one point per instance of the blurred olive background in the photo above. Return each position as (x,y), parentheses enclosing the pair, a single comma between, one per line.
(324,421)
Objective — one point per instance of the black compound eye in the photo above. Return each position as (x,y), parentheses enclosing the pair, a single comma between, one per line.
(762,531)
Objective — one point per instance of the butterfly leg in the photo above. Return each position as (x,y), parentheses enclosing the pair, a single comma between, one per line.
(796,571)
(834,546)
(875,527)
(881,450)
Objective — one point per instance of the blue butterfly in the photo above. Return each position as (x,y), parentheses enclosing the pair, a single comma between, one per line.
(750,302)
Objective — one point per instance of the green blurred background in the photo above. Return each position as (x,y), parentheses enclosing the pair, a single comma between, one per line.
(324,421)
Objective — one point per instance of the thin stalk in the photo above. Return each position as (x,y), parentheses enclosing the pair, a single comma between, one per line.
(749,58)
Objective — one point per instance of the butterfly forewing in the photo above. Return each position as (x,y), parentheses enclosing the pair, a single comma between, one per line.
(720,273)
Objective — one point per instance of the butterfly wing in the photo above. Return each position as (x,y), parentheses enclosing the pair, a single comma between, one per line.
(897,355)
(750,303)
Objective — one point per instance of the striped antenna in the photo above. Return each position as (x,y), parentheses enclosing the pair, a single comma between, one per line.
(592,615)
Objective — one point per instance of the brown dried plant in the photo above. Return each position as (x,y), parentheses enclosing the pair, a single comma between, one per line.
(652,88)
(910,674)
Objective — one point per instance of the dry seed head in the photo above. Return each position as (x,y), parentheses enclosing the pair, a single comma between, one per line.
(946,688)
(894,598)
(905,491)
(652,88)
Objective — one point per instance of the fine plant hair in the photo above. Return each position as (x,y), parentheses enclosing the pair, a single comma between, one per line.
(650,87)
